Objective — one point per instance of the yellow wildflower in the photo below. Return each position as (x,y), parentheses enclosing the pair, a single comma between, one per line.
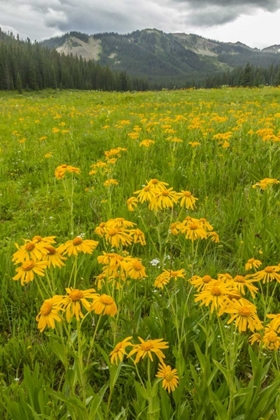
(104,305)
(77,245)
(146,348)
(119,352)
(187,199)
(169,377)
(26,272)
(49,313)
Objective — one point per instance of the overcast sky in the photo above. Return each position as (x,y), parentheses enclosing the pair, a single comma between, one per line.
(253,22)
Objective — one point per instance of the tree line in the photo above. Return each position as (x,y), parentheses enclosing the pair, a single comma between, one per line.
(248,76)
(29,66)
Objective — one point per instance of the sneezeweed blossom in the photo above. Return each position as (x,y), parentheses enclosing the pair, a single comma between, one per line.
(120,232)
(104,305)
(194,229)
(174,140)
(175,228)
(242,283)
(200,283)
(112,261)
(169,377)
(271,340)
(225,277)
(78,245)
(146,194)
(147,348)
(187,199)
(134,135)
(164,278)
(164,199)
(75,300)
(194,143)
(225,145)
(100,164)
(268,274)
(275,323)
(132,203)
(265,183)
(138,237)
(116,281)
(49,313)
(134,268)
(26,272)
(53,256)
(214,294)
(73,169)
(207,226)
(31,250)
(244,314)
(44,240)
(157,185)
(255,338)
(118,236)
(146,143)
(100,280)
(149,191)
(61,170)
(112,161)
(118,353)
(110,182)
(114,152)
(252,263)
(213,236)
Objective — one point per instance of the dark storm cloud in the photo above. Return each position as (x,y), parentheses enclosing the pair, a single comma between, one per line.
(269,5)
(88,16)
(124,16)
(219,12)
(40,19)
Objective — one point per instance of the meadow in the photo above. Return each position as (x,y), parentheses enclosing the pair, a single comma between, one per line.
(140,255)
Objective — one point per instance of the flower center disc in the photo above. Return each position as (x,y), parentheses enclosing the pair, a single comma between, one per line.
(76,295)
(106,300)
(46,308)
(77,241)
(27,265)
(245,311)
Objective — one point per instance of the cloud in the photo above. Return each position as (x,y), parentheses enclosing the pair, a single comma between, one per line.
(120,16)
(219,12)
(40,19)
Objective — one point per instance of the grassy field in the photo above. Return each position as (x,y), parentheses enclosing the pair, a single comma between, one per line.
(139,259)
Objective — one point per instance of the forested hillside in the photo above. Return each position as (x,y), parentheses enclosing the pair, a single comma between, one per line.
(34,66)
(26,65)
(173,60)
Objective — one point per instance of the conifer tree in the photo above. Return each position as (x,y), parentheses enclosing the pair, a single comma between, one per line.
(19,83)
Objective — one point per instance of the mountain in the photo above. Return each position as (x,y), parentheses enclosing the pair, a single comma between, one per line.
(275,49)
(160,56)
(26,66)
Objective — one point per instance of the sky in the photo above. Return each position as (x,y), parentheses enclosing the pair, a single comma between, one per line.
(252,22)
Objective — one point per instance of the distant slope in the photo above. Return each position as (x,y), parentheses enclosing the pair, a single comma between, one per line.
(27,66)
(154,54)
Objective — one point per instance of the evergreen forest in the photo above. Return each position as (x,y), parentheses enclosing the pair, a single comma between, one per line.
(26,65)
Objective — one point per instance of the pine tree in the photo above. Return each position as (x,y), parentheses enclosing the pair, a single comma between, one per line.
(19,83)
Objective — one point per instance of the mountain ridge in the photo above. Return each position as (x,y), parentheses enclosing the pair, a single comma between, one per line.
(154,54)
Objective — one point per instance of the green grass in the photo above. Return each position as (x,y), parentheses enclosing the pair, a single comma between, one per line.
(221,376)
